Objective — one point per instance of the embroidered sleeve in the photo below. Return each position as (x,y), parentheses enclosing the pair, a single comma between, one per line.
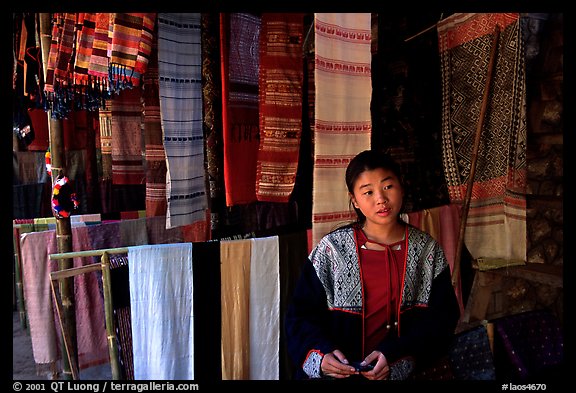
(401,369)
(312,364)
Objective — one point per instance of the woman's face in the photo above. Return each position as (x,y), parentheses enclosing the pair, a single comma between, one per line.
(378,194)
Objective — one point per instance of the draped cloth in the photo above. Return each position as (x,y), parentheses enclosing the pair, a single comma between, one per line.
(207,311)
(180,84)
(235,266)
(443,224)
(162,316)
(239,35)
(496,224)
(280,105)
(212,115)
(156,204)
(126,138)
(342,124)
(264,309)
(89,309)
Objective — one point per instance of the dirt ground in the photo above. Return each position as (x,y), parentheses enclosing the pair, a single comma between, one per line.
(24,367)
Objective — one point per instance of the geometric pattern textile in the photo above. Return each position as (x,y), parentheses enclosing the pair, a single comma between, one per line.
(496,224)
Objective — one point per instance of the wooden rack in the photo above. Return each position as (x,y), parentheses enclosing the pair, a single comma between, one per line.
(103,266)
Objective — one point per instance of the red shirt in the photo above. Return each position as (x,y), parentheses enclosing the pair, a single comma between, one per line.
(382,272)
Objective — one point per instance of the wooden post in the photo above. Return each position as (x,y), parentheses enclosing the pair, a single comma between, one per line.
(63,227)
(109,312)
(466,205)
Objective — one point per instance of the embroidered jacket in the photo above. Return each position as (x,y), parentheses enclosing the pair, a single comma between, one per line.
(326,312)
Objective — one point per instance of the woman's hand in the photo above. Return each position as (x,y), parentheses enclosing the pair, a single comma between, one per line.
(335,365)
(381,370)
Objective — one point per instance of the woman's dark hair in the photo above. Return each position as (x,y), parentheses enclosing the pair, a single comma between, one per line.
(366,161)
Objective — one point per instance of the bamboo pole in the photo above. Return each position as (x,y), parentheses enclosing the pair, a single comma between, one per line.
(108,310)
(480,125)
(18,279)
(63,227)
(65,337)
(104,266)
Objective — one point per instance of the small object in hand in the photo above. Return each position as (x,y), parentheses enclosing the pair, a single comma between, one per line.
(360,367)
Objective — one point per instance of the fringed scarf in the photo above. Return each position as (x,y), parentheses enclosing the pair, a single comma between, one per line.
(179,68)
(343,124)
(496,224)
(280,104)
(94,55)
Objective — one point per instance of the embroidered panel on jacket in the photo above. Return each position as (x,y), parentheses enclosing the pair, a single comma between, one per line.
(335,260)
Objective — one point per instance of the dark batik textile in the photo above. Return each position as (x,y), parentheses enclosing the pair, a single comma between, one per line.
(293,250)
(529,346)
(471,357)
(207,311)
(405,104)
(120,288)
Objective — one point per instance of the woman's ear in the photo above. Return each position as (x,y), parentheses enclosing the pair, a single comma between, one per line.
(353,200)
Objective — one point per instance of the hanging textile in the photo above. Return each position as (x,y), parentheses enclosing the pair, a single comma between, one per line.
(89,308)
(153,144)
(264,309)
(120,288)
(293,252)
(496,224)
(342,124)
(280,105)
(239,34)
(207,311)
(443,224)
(38,298)
(162,317)
(179,69)
(105,125)
(212,115)
(235,303)
(126,139)
(92,56)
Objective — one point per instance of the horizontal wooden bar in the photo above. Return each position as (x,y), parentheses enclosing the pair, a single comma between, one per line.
(88,253)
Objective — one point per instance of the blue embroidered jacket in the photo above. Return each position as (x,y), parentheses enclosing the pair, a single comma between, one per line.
(326,311)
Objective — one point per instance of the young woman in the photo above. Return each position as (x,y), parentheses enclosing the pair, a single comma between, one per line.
(375,298)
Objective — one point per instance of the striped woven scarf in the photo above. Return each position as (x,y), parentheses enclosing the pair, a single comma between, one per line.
(179,69)
(342,125)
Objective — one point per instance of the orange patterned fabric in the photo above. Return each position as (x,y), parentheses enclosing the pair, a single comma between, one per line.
(239,34)
(280,104)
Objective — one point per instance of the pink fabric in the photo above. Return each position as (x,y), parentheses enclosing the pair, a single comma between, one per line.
(448,217)
(44,327)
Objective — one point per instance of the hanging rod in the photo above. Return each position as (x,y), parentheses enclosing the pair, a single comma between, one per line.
(89,253)
(425,30)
